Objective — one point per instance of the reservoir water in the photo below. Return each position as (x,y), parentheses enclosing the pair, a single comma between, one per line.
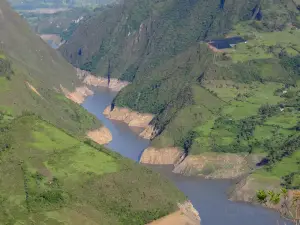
(208,196)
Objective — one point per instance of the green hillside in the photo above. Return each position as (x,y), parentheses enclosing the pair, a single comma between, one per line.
(27,61)
(50,177)
(50,174)
(240,100)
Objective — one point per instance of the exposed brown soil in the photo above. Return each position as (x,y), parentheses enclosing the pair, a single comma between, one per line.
(102,135)
(213,48)
(78,95)
(245,189)
(213,165)
(209,165)
(89,79)
(33,89)
(133,119)
(176,218)
(163,156)
(149,132)
(186,215)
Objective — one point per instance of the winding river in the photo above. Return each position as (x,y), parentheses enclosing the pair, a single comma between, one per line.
(208,196)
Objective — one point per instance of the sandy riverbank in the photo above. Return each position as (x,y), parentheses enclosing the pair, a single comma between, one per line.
(186,215)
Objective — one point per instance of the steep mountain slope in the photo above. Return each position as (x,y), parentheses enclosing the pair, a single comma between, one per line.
(50,173)
(207,102)
(35,75)
(50,177)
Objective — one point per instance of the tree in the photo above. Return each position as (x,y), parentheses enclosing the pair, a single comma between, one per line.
(287,201)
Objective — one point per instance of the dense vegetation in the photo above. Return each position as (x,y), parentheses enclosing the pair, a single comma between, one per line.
(50,177)
(50,173)
(240,100)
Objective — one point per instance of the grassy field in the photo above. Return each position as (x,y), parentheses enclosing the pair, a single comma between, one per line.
(264,45)
(50,177)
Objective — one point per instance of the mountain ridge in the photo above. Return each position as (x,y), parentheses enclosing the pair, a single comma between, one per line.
(51,172)
(242,100)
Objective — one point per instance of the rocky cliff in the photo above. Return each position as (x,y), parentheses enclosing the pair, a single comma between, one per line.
(212,165)
(112,83)
(102,135)
(245,190)
(78,95)
(133,119)
(209,165)
(163,156)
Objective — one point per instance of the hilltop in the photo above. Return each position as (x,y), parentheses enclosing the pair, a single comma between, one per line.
(50,172)
(228,112)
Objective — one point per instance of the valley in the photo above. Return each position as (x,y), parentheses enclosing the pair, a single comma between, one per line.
(172,89)
(209,197)
(217,113)
(51,171)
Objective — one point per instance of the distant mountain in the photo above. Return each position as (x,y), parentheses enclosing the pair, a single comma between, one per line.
(34,4)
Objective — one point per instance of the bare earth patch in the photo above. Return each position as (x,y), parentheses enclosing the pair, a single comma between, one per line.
(133,119)
(213,165)
(33,89)
(213,48)
(78,95)
(89,79)
(186,215)
(209,165)
(102,135)
(163,156)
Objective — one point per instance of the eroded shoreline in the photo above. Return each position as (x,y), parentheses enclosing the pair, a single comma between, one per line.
(186,214)
(191,185)
(186,166)
(132,119)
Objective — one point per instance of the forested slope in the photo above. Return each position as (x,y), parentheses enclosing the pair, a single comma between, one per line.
(50,173)
(244,99)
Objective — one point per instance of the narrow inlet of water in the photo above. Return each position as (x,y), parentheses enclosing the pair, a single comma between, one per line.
(208,196)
